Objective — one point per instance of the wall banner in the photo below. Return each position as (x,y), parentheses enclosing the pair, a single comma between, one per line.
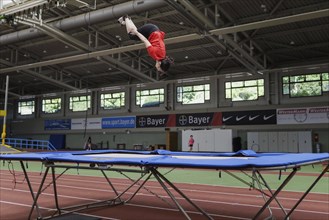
(155,121)
(259,117)
(57,124)
(119,122)
(199,119)
(312,115)
(81,123)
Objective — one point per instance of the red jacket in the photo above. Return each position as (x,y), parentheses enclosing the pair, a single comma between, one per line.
(157,50)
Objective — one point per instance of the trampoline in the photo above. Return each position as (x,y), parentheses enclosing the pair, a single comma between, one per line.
(147,163)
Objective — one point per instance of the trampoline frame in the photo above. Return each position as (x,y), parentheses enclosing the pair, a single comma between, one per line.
(147,171)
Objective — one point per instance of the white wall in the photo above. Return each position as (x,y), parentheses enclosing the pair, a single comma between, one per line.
(214,140)
(292,141)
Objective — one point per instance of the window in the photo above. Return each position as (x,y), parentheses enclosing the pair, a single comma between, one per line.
(80,103)
(51,105)
(150,97)
(193,94)
(113,100)
(305,85)
(244,90)
(26,107)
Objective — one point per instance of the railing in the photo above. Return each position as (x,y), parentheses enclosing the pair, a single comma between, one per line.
(29,144)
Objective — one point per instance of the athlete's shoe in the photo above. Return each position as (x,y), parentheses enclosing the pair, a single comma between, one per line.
(122,19)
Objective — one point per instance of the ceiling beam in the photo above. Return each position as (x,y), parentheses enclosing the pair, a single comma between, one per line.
(67,39)
(272,22)
(173,40)
(192,13)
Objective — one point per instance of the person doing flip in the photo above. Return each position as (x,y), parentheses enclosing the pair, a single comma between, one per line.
(153,38)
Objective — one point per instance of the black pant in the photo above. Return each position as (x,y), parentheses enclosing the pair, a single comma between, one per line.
(146,30)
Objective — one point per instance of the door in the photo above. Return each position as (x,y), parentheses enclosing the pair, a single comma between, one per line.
(263,141)
(293,142)
(273,142)
(283,142)
(253,142)
(305,142)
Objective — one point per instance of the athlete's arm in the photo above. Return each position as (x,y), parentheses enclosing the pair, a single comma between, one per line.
(142,38)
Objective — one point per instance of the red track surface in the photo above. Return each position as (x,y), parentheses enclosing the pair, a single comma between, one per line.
(220,202)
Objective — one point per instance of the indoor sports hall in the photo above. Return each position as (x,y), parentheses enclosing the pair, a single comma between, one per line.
(164,109)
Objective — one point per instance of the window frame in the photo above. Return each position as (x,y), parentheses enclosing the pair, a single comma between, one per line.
(149,93)
(288,83)
(88,98)
(122,100)
(193,88)
(51,99)
(259,85)
(19,106)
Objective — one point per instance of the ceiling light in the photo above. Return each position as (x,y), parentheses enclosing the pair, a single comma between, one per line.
(181,23)
(186,57)
(66,46)
(44,51)
(292,42)
(262,6)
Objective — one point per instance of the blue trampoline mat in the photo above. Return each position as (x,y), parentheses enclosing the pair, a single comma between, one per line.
(163,158)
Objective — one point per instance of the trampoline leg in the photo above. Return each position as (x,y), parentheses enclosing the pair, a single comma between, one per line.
(256,179)
(245,182)
(159,175)
(38,193)
(307,191)
(285,182)
(134,183)
(155,174)
(270,190)
(30,187)
(55,190)
(109,182)
(148,190)
(140,186)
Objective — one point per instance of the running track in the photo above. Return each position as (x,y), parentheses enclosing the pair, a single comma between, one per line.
(220,202)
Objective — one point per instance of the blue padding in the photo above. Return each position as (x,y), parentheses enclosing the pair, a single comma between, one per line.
(163,158)
(58,140)
(247,153)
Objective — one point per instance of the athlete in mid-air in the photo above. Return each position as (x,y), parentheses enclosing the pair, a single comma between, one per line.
(153,38)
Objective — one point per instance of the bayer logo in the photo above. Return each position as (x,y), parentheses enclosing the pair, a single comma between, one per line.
(182,120)
(142,121)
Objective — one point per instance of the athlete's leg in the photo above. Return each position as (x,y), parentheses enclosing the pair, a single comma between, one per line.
(130,26)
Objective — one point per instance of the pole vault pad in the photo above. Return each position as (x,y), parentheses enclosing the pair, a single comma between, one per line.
(75,217)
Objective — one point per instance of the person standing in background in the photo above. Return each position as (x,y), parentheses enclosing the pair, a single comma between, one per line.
(191,143)
(88,144)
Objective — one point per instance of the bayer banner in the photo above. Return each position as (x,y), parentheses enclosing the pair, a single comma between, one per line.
(155,121)
(312,115)
(199,119)
(259,117)
(119,122)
